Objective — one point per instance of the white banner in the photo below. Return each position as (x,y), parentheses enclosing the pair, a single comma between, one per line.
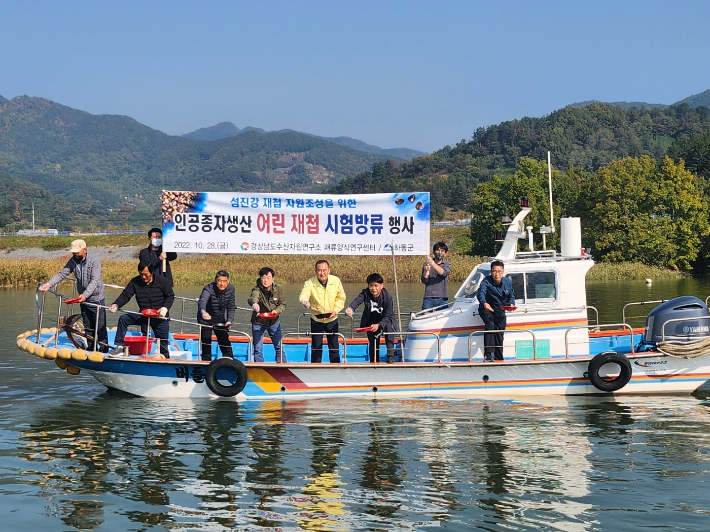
(306,224)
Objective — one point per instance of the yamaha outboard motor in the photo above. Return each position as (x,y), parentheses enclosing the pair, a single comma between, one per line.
(690,321)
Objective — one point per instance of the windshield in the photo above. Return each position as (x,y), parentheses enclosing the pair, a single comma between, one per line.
(470,286)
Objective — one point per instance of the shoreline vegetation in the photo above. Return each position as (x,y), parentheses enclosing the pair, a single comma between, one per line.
(198,270)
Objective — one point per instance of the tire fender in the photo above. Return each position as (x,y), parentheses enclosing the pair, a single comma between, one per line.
(229,364)
(605,384)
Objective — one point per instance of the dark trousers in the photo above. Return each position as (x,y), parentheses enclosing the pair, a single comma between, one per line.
(89,314)
(222,341)
(374,345)
(317,341)
(160,327)
(493,342)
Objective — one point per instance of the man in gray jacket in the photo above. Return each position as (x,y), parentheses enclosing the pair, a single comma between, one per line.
(90,287)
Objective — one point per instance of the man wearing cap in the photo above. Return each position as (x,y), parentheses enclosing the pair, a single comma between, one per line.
(90,287)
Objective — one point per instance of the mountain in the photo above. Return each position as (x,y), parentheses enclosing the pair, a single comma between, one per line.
(216,132)
(227,129)
(401,153)
(697,99)
(585,138)
(109,162)
(624,105)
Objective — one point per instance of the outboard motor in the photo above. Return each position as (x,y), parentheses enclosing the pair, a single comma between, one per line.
(690,321)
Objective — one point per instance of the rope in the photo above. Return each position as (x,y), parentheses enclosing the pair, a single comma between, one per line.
(680,349)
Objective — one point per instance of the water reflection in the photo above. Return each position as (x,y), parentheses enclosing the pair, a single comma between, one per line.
(117,462)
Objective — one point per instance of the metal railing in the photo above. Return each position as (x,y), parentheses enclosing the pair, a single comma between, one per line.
(624,325)
(338,316)
(310,334)
(493,331)
(623,311)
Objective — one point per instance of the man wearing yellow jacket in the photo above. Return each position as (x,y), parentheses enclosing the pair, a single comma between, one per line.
(325,296)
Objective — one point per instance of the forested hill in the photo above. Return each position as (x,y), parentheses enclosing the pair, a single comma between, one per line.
(587,137)
(101,162)
(227,129)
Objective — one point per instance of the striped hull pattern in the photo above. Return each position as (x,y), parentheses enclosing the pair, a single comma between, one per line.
(652,373)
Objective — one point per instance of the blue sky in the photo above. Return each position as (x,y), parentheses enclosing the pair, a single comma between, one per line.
(396,74)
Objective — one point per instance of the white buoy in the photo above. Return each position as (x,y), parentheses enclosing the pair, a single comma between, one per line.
(649,281)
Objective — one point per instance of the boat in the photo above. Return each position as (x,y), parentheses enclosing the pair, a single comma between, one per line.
(554,345)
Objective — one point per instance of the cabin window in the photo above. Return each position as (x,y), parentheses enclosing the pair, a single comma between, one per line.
(470,288)
(540,285)
(518,285)
(535,287)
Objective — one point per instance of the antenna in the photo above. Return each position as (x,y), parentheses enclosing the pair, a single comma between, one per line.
(545,230)
(549,180)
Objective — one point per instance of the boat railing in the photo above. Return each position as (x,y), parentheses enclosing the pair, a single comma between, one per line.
(429,313)
(598,327)
(625,318)
(694,334)
(310,334)
(351,318)
(403,334)
(478,333)
(596,314)
(58,321)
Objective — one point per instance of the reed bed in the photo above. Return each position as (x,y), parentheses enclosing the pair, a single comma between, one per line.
(243,269)
(197,271)
(605,271)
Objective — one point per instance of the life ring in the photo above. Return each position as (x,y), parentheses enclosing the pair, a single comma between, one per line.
(606,384)
(229,364)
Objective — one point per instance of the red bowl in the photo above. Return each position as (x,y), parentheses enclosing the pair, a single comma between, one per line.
(150,312)
(268,315)
(508,307)
(72,300)
(362,329)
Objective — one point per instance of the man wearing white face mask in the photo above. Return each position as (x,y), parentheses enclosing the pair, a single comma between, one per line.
(155,255)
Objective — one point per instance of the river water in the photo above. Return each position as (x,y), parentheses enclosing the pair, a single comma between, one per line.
(74,456)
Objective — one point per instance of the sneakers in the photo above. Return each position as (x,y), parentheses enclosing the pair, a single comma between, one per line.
(118,351)
(390,359)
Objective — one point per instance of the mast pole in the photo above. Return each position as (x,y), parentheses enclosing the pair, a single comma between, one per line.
(549,180)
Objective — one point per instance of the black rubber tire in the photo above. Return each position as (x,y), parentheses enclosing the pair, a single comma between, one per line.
(604,384)
(226,363)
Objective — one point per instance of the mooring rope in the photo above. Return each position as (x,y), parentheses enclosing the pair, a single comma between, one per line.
(680,349)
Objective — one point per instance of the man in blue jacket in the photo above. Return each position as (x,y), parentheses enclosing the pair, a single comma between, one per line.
(495,291)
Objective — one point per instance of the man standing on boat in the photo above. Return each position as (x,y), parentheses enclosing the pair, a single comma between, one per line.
(90,286)
(325,296)
(215,312)
(495,291)
(152,293)
(268,303)
(155,255)
(435,276)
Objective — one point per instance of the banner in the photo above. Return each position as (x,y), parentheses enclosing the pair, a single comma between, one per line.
(304,224)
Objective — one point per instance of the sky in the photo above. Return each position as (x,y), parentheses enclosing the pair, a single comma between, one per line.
(413,74)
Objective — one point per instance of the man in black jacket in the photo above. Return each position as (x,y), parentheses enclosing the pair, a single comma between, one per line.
(152,292)
(154,254)
(215,311)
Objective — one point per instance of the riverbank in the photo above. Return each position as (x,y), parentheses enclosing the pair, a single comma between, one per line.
(25,267)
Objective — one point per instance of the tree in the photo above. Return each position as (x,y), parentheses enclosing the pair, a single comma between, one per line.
(501,196)
(634,210)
